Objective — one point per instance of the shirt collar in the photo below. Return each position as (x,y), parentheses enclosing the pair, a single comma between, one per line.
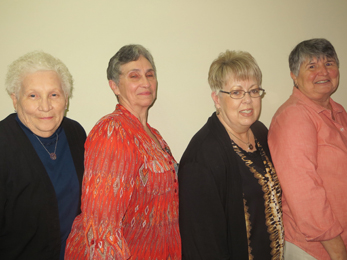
(335,106)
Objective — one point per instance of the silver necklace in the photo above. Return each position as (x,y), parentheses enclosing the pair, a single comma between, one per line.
(250,146)
(52,155)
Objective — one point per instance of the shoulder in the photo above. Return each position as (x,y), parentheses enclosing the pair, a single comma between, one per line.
(75,133)
(70,123)
(337,107)
(115,129)
(259,127)
(210,147)
(9,129)
(293,109)
(10,120)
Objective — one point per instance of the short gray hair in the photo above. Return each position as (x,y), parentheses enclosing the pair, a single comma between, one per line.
(315,48)
(127,53)
(239,65)
(33,62)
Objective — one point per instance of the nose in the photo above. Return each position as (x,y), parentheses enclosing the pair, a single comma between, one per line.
(323,70)
(45,105)
(145,82)
(247,98)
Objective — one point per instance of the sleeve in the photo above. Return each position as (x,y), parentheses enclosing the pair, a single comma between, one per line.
(293,146)
(3,173)
(203,225)
(108,184)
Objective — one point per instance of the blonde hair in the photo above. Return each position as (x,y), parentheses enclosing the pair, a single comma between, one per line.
(238,65)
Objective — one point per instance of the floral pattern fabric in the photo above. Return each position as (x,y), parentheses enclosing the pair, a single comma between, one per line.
(129,195)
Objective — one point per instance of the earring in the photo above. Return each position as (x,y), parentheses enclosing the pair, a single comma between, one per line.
(217,111)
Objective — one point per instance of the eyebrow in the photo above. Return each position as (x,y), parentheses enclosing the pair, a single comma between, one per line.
(256,84)
(137,70)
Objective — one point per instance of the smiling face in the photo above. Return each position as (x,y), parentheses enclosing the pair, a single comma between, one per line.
(318,79)
(41,102)
(137,86)
(238,114)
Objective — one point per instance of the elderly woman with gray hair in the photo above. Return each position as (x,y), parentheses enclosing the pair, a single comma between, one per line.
(308,143)
(130,189)
(41,160)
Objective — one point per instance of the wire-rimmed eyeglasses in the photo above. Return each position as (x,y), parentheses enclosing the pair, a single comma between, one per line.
(238,94)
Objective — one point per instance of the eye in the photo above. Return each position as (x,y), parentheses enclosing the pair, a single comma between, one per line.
(32,95)
(329,63)
(255,91)
(150,75)
(235,92)
(133,75)
(54,95)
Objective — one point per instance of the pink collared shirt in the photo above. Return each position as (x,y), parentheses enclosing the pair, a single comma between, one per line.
(309,151)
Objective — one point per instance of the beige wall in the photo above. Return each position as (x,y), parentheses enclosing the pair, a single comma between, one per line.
(184,37)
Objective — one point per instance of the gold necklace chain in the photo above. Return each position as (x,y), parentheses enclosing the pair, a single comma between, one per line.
(250,146)
(53,155)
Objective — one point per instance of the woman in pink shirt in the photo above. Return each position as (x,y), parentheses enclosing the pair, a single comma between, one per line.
(308,144)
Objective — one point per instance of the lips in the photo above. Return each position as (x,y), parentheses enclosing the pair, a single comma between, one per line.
(322,81)
(246,112)
(145,93)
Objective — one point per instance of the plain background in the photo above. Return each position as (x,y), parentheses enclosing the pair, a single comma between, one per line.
(184,38)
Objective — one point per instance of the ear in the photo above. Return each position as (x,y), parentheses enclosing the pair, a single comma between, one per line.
(66,101)
(215,98)
(293,77)
(14,100)
(114,87)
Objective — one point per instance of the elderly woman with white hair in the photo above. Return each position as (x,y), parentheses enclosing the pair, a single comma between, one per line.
(41,160)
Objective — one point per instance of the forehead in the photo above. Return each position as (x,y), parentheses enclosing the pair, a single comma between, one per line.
(313,59)
(40,79)
(241,81)
(141,64)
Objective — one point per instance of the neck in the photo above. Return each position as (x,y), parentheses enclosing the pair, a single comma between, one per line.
(325,104)
(240,132)
(140,113)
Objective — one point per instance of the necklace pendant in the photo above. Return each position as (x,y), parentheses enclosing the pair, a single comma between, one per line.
(250,147)
(53,156)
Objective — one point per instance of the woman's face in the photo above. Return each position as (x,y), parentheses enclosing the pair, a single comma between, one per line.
(238,114)
(41,102)
(137,86)
(318,79)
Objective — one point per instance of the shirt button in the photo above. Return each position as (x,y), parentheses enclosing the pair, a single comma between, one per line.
(175,180)
(175,190)
(173,171)
(341,129)
(170,162)
(92,242)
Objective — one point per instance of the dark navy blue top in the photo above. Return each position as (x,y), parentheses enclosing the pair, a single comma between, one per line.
(63,175)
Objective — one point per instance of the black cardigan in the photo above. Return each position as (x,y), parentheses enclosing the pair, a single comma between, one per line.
(212,220)
(29,217)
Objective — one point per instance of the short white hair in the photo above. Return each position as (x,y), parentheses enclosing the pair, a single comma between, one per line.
(37,61)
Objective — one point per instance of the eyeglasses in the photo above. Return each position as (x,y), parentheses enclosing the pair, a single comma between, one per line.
(238,94)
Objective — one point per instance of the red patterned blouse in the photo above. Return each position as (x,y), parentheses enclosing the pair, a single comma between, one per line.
(129,195)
